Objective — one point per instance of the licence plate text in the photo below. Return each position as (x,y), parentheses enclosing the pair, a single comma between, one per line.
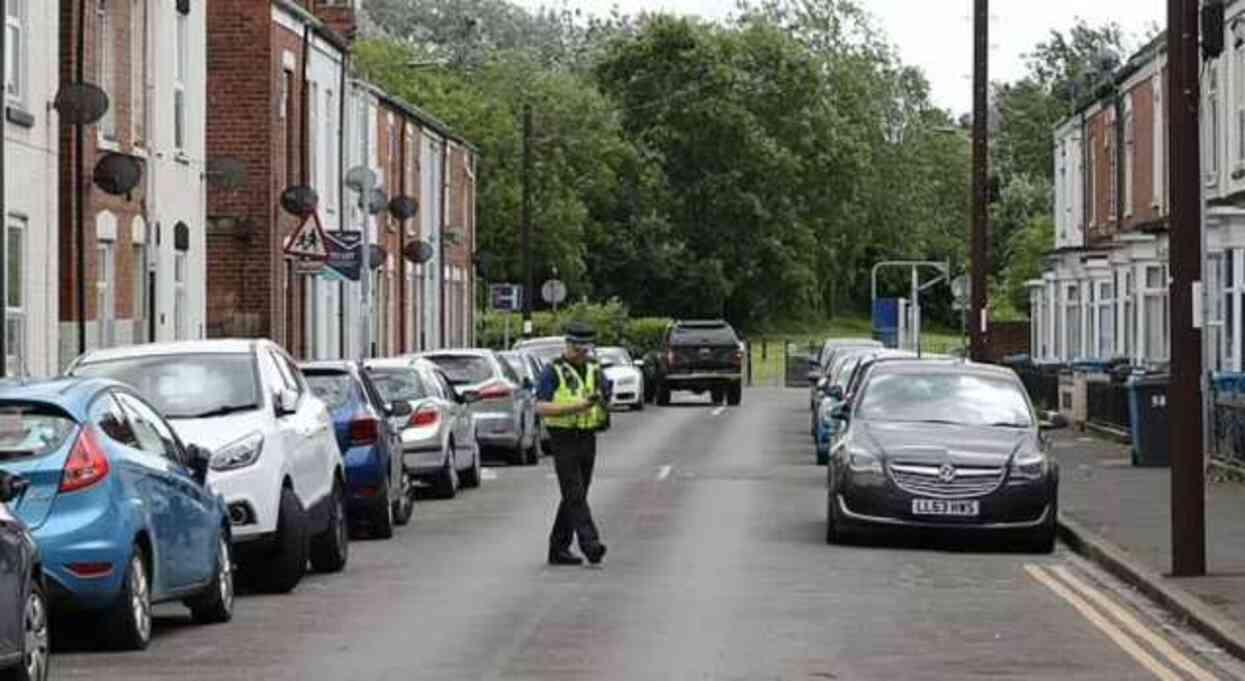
(944,507)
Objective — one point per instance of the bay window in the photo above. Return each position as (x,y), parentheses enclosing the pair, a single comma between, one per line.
(1155,313)
(1072,309)
(1104,303)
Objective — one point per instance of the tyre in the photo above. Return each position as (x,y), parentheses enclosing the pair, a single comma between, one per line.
(404,505)
(470,478)
(638,406)
(446,483)
(823,457)
(215,604)
(834,534)
(531,455)
(283,568)
(35,627)
(129,621)
(382,519)
(1043,538)
(330,550)
(663,395)
(734,395)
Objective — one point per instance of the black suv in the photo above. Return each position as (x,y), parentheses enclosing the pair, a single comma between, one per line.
(701,356)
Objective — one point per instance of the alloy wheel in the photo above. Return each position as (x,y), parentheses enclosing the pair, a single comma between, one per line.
(225,575)
(37,640)
(140,597)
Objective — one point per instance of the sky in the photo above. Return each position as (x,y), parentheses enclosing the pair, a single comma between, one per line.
(937,34)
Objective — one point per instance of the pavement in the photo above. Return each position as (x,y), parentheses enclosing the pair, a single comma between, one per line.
(717,570)
(1120,509)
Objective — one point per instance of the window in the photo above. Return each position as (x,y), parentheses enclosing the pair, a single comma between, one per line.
(1211,153)
(184,386)
(182,64)
(1130,314)
(105,296)
(287,115)
(138,70)
(15,294)
(1072,308)
(153,434)
(1130,140)
(180,311)
(1229,304)
(1105,304)
(1238,96)
(15,51)
(105,64)
(330,145)
(1093,181)
(289,373)
(139,293)
(1154,302)
(107,415)
(313,129)
(1113,170)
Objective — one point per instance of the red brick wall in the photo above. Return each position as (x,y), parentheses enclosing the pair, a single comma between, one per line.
(288,303)
(1008,338)
(339,18)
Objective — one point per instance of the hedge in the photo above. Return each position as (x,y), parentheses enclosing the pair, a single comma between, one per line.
(611,320)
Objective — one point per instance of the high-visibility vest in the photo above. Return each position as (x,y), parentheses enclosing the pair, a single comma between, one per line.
(576,389)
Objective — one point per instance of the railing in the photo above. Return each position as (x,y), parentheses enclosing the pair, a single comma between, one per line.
(1107,404)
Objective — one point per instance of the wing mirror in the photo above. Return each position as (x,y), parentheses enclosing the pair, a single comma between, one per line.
(285,402)
(814,377)
(399,409)
(835,392)
(1052,420)
(12,486)
(528,384)
(468,396)
(841,412)
(200,460)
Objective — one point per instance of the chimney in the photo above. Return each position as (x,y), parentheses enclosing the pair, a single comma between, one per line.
(339,15)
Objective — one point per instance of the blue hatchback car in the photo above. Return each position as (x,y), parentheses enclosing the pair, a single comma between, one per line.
(117,505)
(379,494)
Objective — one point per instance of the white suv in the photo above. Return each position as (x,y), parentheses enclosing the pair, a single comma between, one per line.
(275,456)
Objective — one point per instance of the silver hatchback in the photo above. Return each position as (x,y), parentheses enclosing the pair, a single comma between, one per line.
(506,411)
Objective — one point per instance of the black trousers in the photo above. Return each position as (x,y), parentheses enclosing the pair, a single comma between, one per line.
(574,455)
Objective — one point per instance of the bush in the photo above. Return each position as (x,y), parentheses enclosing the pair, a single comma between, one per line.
(645,334)
(611,320)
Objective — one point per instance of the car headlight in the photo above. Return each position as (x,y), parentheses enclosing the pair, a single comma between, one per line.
(862,461)
(238,454)
(1032,466)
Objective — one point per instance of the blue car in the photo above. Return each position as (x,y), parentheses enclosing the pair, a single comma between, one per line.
(379,494)
(117,504)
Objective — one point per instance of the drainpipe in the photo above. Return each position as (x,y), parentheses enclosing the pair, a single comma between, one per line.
(402,335)
(1118,103)
(445,192)
(341,197)
(80,203)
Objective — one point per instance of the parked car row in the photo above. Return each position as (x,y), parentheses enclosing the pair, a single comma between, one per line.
(931,443)
(164,472)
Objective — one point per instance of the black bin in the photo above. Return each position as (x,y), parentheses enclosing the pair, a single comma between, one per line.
(1147,405)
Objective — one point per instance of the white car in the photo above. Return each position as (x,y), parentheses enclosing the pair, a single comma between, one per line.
(624,375)
(275,457)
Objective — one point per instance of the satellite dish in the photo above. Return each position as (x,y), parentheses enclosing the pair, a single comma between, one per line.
(404,207)
(300,200)
(118,174)
(418,252)
(360,178)
(376,201)
(81,103)
(183,7)
(226,173)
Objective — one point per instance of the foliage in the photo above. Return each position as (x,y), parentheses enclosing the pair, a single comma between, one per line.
(611,320)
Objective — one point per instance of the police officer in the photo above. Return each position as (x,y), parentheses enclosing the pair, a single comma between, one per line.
(572,400)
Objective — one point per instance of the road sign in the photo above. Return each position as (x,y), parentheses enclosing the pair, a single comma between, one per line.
(308,241)
(961,290)
(343,252)
(506,297)
(308,266)
(553,292)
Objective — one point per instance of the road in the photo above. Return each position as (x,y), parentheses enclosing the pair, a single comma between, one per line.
(717,569)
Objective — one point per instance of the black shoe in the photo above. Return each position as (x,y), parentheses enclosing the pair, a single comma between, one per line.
(564,557)
(595,553)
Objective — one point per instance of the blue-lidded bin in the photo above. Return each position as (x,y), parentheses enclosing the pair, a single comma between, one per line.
(1229,384)
(1147,409)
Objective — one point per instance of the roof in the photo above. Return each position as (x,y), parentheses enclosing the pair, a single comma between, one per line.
(197,347)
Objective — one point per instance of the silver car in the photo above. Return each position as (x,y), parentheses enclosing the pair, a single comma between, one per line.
(506,411)
(438,438)
(529,367)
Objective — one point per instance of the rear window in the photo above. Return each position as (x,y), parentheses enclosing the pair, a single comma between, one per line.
(397,385)
(32,430)
(335,389)
(516,363)
(464,369)
(706,334)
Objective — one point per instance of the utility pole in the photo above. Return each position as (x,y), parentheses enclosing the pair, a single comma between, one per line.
(1184,402)
(528,279)
(980,245)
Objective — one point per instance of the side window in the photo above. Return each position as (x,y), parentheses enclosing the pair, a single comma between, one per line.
(369,388)
(268,372)
(288,372)
(107,415)
(447,390)
(154,436)
(507,370)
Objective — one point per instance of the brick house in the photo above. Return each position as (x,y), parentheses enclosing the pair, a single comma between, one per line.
(142,251)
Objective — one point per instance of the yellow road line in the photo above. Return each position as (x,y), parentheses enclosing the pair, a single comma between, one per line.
(1113,632)
(1128,620)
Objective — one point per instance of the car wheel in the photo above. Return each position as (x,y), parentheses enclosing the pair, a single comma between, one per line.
(735,395)
(446,484)
(404,505)
(470,478)
(382,515)
(283,568)
(823,457)
(215,604)
(1043,538)
(531,456)
(129,624)
(663,395)
(331,548)
(37,640)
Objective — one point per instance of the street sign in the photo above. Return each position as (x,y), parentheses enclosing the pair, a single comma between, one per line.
(308,266)
(506,297)
(961,290)
(553,292)
(308,241)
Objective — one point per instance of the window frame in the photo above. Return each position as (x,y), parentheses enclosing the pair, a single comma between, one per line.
(133,406)
(17,54)
(1130,154)
(105,70)
(15,283)
(138,72)
(106,290)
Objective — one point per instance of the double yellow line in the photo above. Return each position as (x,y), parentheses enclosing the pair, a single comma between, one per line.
(1117,623)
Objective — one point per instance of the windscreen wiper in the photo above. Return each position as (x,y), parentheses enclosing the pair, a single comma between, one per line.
(219,411)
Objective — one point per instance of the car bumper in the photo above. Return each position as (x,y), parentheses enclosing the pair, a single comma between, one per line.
(252,496)
(497,429)
(626,396)
(879,501)
(423,460)
(365,478)
(100,534)
(701,381)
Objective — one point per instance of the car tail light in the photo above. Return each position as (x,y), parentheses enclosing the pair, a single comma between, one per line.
(497,391)
(87,463)
(425,417)
(364,431)
(739,356)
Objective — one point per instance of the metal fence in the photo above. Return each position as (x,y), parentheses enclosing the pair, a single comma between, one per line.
(1107,404)
(1228,429)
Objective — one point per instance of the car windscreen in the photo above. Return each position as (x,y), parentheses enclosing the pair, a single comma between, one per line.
(32,429)
(335,388)
(187,386)
(945,397)
(397,385)
(613,357)
(546,351)
(721,334)
(464,369)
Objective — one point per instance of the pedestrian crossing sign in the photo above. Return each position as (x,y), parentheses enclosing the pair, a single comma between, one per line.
(308,241)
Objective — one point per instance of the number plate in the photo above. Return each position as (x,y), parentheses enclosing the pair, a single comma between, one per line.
(944,507)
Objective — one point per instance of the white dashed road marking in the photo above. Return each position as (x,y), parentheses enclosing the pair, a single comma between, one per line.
(488,474)
(718,411)
(663,473)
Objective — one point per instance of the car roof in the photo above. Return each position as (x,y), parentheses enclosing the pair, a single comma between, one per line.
(940,365)
(460,352)
(194,347)
(701,323)
(71,394)
(543,340)
(343,365)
